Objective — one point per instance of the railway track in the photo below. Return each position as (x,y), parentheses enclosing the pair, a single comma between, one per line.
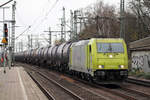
(123,92)
(128,92)
(138,82)
(114,92)
(79,94)
(131,94)
(44,90)
(51,85)
(145,95)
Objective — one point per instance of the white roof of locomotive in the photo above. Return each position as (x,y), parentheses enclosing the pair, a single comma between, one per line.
(82,42)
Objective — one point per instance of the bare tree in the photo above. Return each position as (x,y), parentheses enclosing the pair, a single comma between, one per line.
(141,8)
(102,21)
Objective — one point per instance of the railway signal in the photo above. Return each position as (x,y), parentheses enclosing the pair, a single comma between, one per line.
(5,30)
(5,38)
(6,33)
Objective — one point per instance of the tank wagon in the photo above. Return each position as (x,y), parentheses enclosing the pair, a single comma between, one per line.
(100,59)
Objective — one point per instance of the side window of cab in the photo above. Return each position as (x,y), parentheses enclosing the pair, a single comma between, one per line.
(90,49)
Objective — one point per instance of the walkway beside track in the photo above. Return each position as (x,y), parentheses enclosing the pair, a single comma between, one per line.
(16,84)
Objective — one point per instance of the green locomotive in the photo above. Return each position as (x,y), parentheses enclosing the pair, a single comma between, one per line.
(99,59)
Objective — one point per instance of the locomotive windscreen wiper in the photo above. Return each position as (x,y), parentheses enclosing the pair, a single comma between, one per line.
(109,49)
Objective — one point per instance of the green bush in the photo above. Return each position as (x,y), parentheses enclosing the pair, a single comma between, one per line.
(140,74)
(147,76)
(132,73)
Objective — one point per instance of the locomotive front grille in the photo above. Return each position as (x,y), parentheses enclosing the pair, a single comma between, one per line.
(110,74)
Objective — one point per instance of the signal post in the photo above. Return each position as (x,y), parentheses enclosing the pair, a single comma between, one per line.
(5,43)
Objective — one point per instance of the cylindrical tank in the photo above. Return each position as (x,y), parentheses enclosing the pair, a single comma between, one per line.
(29,56)
(54,51)
(43,56)
(39,55)
(66,52)
(49,55)
(36,56)
(21,56)
(45,53)
(59,54)
(25,56)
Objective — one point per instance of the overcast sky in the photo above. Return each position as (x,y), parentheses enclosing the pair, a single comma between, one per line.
(41,14)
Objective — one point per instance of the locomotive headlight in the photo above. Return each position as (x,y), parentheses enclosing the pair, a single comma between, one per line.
(121,66)
(101,66)
(110,56)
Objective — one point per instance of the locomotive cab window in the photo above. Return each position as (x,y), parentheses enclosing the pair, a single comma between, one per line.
(90,49)
(110,48)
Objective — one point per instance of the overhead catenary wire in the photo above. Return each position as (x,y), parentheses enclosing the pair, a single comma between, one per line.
(42,20)
(53,6)
(22,22)
(45,39)
(39,14)
(6,3)
(23,32)
(35,25)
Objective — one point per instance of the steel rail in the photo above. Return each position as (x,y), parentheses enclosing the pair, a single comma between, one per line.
(138,82)
(76,97)
(136,91)
(108,90)
(94,85)
(48,95)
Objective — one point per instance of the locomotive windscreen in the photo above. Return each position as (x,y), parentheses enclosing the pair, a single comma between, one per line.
(110,47)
